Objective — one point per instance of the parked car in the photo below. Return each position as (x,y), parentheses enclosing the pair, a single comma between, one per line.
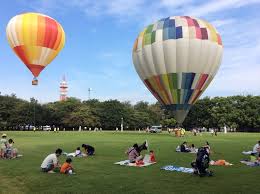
(46,128)
(156,129)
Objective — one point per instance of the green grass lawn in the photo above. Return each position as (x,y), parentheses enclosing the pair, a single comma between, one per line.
(98,174)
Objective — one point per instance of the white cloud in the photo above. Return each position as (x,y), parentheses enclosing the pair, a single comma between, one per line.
(221,23)
(218,6)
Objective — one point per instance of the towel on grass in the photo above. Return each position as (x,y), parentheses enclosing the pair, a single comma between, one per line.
(220,163)
(146,161)
(178,169)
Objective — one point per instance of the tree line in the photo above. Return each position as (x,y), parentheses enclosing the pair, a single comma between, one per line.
(238,112)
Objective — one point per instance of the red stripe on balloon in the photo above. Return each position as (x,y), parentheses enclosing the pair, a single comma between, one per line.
(35,69)
(19,50)
(196,96)
(54,29)
(152,90)
(203,78)
(49,32)
(198,33)
(219,39)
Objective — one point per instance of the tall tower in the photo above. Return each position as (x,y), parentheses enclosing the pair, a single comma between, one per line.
(63,89)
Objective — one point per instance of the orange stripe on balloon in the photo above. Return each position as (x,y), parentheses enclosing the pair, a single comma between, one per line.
(58,39)
(196,97)
(41,31)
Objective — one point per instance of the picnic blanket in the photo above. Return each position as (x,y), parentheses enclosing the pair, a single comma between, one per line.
(73,154)
(220,163)
(250,163)
(146,161)
(248,152)
(178,149)
(178,169)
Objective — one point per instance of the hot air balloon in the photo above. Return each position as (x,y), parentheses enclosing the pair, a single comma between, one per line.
(177,58)
(36,39)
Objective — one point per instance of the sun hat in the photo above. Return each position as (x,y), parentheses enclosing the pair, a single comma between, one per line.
(4,135)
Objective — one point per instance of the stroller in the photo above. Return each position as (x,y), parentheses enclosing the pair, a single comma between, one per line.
(201,164)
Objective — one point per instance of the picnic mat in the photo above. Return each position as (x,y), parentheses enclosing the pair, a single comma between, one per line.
(178,169)
(127,162)
(248,152)
(73,154)
(249,163)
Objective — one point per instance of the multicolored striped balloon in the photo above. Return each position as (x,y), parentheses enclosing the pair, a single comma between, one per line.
(177,58)
(36,39)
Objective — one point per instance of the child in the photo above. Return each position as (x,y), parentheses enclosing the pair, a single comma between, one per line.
(78,152)
(3,144)
(11,152)
(67,168)
(193,149)
(152,156)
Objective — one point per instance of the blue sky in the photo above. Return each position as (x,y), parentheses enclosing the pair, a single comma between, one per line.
(99,39)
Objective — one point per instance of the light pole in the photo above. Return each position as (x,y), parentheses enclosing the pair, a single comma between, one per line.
(89,90)
(122,124)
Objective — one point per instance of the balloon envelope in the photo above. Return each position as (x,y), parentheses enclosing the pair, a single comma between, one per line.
(176,58)
(36,39)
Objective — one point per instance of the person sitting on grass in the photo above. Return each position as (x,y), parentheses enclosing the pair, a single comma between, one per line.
(51,163)
(134,152)
(3,145)
(11,152)
(78,152)
(89,150)
(256,147)
(193,149)
(152,156)
(184,147)
(66,167)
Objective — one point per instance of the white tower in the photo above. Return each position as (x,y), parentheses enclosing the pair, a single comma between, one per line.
(63,89)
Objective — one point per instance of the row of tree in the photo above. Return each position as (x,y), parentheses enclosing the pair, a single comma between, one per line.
(239,112)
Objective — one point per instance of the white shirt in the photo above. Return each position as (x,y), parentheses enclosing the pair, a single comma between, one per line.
(50,159)
(256,147)
(78,152)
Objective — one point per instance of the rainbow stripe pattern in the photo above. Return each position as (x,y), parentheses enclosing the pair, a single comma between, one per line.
(177,58)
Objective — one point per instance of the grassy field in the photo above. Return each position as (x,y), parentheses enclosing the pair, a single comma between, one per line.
(98,174)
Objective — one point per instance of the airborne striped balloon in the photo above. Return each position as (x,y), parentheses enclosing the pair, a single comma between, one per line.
(177,58)
(36,39)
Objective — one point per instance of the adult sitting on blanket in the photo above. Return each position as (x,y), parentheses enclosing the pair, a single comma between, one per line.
(256,147)
(254,151)
(89,150)
(51,162)
(134,153)
(184,147)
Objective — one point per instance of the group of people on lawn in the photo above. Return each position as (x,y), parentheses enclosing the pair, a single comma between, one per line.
(51,163)
(184,147)
(7,149)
